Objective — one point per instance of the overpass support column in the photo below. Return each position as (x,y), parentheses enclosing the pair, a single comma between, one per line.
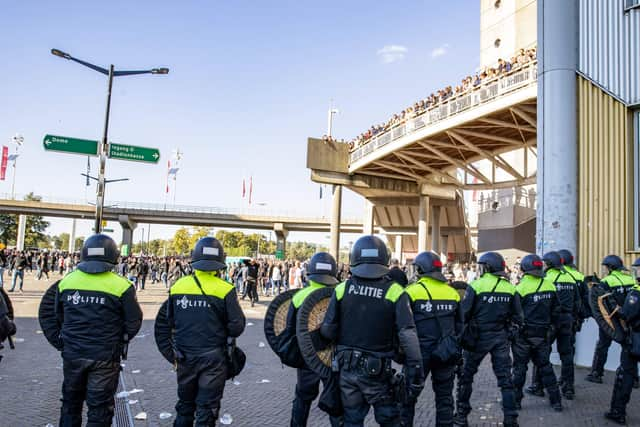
(334,247)
(367,222)
(423,223)
(281,240)
(397,253)
(128,228)
(72,237)
(557,176)
(444,248)
(435,229)
(22,229)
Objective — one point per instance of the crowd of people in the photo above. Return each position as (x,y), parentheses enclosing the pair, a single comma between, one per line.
(467,84)
(16,263)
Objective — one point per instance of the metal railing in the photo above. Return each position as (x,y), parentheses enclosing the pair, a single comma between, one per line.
(283,214)
(506,198)
(489,91)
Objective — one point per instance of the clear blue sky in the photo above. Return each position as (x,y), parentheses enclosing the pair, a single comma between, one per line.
(249,82)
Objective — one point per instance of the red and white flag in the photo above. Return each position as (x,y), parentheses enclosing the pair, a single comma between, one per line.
(5,160)
(243,188)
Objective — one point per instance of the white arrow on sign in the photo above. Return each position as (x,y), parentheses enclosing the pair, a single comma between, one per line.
(155,156)
(47,141)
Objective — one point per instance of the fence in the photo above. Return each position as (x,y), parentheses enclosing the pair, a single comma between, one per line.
(488,91)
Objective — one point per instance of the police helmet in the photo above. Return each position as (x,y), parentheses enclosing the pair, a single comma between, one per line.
(552,259)
(428,264)
(492,262)
(567,257)
(323,269)
(613,263)
(369,258)
(532,264)
(208,255)
(636,263)
(99,254)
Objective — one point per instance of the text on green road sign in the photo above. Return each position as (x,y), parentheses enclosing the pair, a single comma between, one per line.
(70,145)
(134,153)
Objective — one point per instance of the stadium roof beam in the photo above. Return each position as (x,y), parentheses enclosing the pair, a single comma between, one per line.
(526,117)
(496,160)
(401,171)
(502,123)
(434,171)
(472,171)
(490,137)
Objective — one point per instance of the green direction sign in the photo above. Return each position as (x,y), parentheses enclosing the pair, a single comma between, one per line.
(70,145)
(134,153)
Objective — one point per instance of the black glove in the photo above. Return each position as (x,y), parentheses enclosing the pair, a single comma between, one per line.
(415,381)
(577,325)
(513,332)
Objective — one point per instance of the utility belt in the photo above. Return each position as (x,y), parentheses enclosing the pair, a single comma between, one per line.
(535,331)
(365,363)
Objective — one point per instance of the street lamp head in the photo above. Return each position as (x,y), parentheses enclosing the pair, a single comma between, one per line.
(160,71)
(60,53)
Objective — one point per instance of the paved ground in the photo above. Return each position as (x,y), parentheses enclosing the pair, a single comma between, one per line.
(30,379)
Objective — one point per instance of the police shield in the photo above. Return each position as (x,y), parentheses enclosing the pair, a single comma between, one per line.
(461,287)
(48,316)
(316,350)
(275,320)
(604,310)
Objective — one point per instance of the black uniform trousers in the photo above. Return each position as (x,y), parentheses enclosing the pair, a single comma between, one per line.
(498,346)
(623,385)
(91,380)
(200,386)
(307,389)
(360,391)
(565,338)
(537,350)
(442,379)
(600,353)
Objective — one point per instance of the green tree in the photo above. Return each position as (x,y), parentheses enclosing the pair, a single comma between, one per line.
(198,233)
(300,250)
(35,227)
(181,240)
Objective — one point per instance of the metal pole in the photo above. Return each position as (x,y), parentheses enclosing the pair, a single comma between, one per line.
(103,149)
(13,181)
(334,247)
(329,122)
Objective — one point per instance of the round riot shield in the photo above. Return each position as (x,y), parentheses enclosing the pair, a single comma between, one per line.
(461,287)
(316,351)
(276,318)
(48,316)
(604,310)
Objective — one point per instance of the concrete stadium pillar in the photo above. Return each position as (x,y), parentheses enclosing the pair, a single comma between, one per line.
(72,237)
(281,240)
(22,229)
(397,253)
(557,177)
(128,227)
(423,223)
(336,209)
(367,221)
(435,229)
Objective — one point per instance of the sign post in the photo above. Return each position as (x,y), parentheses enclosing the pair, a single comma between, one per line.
(134,153)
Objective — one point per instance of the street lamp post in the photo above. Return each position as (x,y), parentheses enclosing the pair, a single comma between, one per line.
(103,147)
(18,140)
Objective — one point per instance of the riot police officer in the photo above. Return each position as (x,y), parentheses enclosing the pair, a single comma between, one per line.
(619,283)
(366,314)
(99,314)
(437,314)
(321,272)
(7,327)
(541,309)
(490,308)
(569,264)
(192,329)
(629,358)
(564,331)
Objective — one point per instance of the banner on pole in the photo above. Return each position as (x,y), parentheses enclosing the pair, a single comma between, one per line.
(5,161)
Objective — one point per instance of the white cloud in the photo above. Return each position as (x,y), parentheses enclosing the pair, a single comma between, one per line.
(392,53)
(440,50)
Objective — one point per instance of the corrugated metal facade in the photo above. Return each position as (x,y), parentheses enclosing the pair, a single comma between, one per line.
(605,177)
(610,47)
